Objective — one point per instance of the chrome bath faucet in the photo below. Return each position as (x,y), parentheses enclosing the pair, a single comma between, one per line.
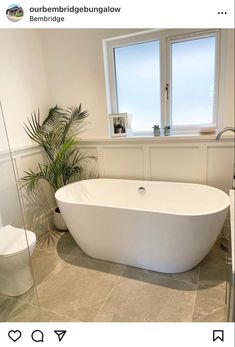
(218,136)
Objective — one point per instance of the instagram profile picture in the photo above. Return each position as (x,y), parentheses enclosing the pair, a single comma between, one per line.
(14,13)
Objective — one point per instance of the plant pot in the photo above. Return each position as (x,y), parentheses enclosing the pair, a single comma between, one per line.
(167,132)
(118,130)
(156,132)
(59,222)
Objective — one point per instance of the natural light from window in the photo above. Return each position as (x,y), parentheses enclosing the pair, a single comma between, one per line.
(193,67)
(138,83)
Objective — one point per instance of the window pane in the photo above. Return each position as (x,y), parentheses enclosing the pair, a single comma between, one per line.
(193,64)
(138,83)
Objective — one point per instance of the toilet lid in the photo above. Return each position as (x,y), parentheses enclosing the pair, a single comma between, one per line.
(13,240)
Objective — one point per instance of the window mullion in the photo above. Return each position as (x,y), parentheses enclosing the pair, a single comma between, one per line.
(163,55)
(113,105)
(167,86)
(216,79)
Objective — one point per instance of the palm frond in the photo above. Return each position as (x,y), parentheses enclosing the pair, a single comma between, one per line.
(31,179)
(39,134)
(70,120)
(34,130)
(56,135)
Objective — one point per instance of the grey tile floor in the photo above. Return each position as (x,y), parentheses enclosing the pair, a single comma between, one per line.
(74,287)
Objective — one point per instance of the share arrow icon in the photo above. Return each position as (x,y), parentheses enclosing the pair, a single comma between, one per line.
(60,333)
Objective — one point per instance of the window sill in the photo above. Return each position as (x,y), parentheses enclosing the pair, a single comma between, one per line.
(189,137)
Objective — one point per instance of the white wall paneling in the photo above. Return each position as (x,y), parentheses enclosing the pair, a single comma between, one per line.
(207,162)
(220,166)
(90,166)
(9,200)
(202,161)
(37,206)
(178,163)
(123,162)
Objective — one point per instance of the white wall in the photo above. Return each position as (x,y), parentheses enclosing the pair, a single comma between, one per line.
(41,68)
(74,60)
(10,210)
(23,83)
(48,67)
(37,207)
(226,108)
(23,87)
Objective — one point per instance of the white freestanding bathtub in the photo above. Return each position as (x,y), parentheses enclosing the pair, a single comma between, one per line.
(161,226)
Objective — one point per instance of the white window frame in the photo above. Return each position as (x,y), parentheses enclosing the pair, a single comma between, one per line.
(166,37)
(183,38)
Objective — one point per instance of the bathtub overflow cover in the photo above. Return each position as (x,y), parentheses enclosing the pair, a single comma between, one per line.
(141,190)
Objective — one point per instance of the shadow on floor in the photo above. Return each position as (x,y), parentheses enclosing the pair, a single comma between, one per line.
(210,272)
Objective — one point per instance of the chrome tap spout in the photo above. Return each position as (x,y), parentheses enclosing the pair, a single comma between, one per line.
(218,136)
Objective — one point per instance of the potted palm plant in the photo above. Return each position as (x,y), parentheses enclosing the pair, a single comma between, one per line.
(57,135)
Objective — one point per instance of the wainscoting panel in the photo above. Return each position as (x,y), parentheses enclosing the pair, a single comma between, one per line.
(37,206)
(90,166)
(123,162)
(182,164)
(220,166)
(9,199)
(202,161)
(29,160)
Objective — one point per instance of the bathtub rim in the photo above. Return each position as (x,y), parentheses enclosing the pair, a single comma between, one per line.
(66,201)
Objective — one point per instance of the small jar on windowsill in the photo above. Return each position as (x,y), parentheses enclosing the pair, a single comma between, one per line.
(167,130)
(156,130)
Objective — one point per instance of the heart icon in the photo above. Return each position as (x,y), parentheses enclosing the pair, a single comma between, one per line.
(14,335)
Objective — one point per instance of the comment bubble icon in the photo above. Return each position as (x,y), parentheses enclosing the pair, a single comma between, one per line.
(37,336)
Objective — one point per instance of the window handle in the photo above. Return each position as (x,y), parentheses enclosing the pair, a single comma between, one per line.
(167,91)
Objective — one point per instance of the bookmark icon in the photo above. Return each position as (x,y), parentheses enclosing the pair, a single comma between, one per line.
(60,333)
(218,335)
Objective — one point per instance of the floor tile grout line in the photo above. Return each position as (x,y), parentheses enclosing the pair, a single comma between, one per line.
(38,306)
(164,305)
(196,290)
(47,310)
(46,279)
(208,314)
(57,313)
(194,280)
(108,296)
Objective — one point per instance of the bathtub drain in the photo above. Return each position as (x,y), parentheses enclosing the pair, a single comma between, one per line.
(141,190)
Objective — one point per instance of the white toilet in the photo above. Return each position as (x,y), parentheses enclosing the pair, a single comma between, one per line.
(16,275)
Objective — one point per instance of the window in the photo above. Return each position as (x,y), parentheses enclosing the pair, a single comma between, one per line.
(164,77)
(137,70)
(192,81)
